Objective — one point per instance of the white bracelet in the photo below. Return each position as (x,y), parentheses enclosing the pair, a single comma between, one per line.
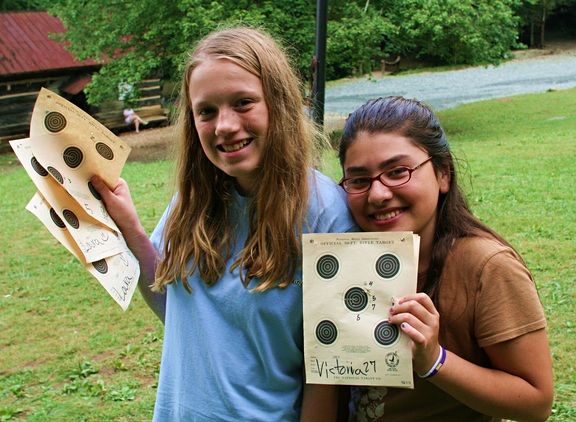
(437,365)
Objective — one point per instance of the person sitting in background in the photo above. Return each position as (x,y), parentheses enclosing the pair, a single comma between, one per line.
(130,116)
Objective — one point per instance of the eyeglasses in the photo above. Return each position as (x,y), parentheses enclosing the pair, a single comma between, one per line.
(392,178)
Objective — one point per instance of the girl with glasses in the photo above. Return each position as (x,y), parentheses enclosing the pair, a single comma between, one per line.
(479,345)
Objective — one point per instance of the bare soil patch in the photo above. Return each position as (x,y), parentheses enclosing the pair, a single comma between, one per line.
(155,144)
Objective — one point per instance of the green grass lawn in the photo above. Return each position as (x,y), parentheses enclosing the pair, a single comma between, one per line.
(69,353)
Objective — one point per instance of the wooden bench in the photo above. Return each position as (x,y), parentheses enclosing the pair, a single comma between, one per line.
(113,118)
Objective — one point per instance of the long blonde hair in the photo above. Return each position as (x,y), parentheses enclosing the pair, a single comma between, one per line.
(198,226)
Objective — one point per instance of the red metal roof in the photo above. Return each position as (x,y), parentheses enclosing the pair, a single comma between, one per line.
(25,45)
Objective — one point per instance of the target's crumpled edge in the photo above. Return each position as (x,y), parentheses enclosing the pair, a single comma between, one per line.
(118,274)
(73,146)
(350,281)
(95,240)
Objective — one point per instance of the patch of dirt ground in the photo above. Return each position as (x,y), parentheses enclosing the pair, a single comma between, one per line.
(151,144)
(155,144)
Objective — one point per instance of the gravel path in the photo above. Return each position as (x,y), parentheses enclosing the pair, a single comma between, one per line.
(450,89)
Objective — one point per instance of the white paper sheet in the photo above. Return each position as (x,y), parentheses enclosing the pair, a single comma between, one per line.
(350,282)
(72,146)
(95,240)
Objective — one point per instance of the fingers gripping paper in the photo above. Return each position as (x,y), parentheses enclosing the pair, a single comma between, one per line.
(65,149)
(350,282)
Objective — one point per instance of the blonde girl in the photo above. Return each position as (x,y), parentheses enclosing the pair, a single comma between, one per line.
(227,250)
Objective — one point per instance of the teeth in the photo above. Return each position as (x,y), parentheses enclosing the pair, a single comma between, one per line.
(235,147)
(386,216)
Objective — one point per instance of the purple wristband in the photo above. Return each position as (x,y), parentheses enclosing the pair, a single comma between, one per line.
(436,367)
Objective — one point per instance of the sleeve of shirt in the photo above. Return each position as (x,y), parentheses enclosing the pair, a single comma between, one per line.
(508,304)
(328,209)
(157,236)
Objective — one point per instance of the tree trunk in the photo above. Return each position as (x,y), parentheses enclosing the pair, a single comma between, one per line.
(543,23)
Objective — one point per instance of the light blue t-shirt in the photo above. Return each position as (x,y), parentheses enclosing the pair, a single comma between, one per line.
(233,355)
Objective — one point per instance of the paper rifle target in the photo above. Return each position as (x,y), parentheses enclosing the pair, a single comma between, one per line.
(71,219)
(73,157)
(93,191)
(386,334)
(356,299)
(38,167)
(105,151)
(326,332)
(56,174)
(57,220)
(65,149)
(54,122)
(327,266)
(101,266)
(388,266)
(349,282)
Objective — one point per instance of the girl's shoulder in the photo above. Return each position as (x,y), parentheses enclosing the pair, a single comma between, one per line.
(483,244)
(475,253)
(328,209)
(322,187)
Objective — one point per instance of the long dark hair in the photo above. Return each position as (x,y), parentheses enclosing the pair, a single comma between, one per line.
(416,121)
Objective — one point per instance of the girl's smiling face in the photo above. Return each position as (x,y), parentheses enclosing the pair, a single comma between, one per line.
(231,117)
(410,207)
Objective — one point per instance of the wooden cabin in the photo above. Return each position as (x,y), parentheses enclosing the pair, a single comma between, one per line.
(30,60)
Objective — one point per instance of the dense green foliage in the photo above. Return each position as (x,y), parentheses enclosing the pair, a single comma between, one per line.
(456,31)
(14,5)
(150,37)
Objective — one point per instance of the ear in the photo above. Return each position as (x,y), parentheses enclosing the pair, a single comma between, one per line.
(443,176)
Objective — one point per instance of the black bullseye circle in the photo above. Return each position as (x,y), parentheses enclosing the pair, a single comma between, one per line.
(327,266)
(101,266)
(386,334)
(388,266)
(56,174)
(105,151)
(73,157)
(54,122)
(93,191)
(356,299)
(57,220)
(71,219)
(326,332)
(38,167)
